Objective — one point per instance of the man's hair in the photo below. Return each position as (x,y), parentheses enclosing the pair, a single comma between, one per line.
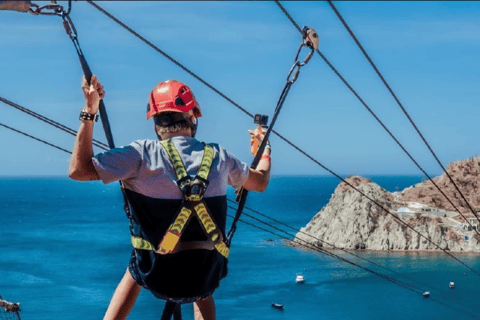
(178,126)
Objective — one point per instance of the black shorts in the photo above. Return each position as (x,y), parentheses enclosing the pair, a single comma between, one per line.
(181,277)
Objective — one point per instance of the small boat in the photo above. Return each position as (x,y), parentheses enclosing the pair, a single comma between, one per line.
(452,285)
(277,306)
(426,294)
(300,278)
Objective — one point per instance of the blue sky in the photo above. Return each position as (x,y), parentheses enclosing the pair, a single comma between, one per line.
(427,51)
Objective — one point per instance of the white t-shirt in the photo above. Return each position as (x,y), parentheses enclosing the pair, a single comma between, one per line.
(144,167)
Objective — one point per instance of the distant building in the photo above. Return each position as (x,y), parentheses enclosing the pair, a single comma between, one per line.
(473,221)
(404,210)
(416,207)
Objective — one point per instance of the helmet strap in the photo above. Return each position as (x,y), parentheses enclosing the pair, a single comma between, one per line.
(194,126)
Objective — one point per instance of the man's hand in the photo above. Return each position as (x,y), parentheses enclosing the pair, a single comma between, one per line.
(93,94)
(256,135)
(258,178)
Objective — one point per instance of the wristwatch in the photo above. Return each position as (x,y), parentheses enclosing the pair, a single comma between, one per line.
(88,116)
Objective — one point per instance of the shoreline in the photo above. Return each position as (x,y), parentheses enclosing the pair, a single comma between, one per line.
(370,251)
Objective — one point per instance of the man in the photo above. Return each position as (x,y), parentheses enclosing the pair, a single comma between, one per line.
(176,187)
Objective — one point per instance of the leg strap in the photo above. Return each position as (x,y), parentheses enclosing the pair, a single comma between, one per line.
(172,308)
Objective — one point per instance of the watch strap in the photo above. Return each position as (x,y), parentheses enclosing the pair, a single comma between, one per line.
(88,116)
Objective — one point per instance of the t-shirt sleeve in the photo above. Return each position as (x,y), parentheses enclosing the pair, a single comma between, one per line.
(238,171)
(117,164)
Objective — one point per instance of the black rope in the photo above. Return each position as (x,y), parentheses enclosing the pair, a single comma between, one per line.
(60,126)
(244,192)
(72,33)
(399,103)
(378,119)
(280,136)
(335,256)
(172,308)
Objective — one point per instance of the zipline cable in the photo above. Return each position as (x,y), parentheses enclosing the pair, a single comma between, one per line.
(376,117)
(340,17)
(276,133)
(334,256)
(310,40)
(43,141)
(60,126)
(305,243)
(167,56)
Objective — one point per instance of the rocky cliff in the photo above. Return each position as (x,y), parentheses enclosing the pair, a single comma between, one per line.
(465,174)
(352,221)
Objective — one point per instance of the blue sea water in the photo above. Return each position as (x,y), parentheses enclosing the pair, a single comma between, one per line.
(65,245)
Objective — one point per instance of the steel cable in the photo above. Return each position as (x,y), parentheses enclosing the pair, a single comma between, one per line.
(376,117)
(60,126)
(340,17)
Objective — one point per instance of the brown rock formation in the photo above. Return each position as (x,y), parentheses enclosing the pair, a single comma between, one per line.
(465,174)
(352,221)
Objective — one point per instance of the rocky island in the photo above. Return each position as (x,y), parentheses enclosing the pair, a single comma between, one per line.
(351,221)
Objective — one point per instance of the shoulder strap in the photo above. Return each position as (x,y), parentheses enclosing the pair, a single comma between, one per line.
(206,163)
(182,177)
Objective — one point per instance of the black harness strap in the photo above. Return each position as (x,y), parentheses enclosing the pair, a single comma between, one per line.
(72,33)
(172,308)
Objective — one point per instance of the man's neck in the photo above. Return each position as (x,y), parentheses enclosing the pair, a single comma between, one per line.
(183,133)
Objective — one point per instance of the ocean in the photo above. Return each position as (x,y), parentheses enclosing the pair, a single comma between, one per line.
(65,245)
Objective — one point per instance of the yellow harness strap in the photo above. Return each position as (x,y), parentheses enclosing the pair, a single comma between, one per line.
(193,202)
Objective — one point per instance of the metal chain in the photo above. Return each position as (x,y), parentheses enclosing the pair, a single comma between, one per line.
(52,9)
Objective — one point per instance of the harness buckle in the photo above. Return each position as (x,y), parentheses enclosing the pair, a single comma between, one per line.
(182,180)
(216,237)
(195,190)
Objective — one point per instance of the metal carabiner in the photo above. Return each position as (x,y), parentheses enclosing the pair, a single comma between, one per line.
(56,9)
(310,40)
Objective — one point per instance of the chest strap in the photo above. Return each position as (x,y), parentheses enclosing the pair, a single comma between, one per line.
(192,205)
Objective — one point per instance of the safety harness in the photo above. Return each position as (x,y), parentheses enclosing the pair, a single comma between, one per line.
(193,204)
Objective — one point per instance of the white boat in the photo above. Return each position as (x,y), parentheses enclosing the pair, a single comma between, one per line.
(277,306)
(426,294)
(452,285)
(300,278)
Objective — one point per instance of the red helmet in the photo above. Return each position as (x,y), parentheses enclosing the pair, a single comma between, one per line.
(172,96)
